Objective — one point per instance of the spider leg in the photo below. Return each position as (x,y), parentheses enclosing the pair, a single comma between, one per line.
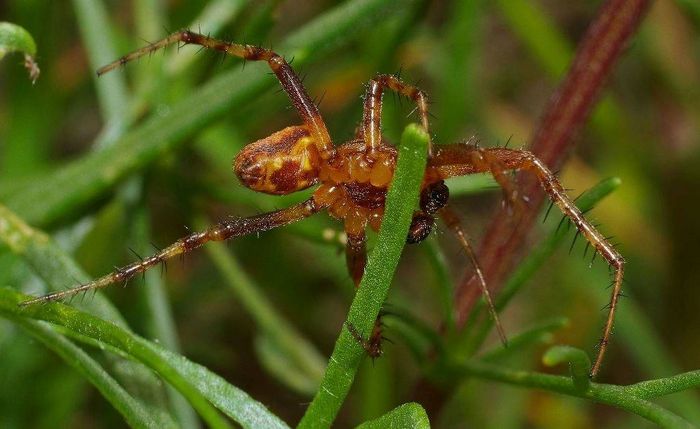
(454,160)
(452,221)
(356,259)
(289,80)
(485,159)
(227,229)
(373,344)
(356,256)
(600,243)
(371,130)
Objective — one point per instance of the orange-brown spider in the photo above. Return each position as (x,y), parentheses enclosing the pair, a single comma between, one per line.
(353,178)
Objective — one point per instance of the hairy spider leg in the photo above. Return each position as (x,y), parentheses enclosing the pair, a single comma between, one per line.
(372,112)
(452,221)
(221,231)
(356,256)
(486,160)
(285,74)
(457,160)
(372,344)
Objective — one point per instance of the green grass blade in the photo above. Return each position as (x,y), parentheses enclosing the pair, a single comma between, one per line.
(459,91)
(112,92)
(160,323)
(541,333)
(50,263)
(134,412)
(472,184)
(539,34)
(443,282)
(90,177)
(149,23)
(298,363)
(211,20)
(347,354)
(404,416)
(58,271)
(196,383)
(14,38)
(645,344)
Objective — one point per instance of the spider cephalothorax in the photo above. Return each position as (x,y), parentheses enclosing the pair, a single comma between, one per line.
(353,178)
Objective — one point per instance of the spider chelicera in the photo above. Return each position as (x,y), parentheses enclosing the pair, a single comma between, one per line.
(353,179)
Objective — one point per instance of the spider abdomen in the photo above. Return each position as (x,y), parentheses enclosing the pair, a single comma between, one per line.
(284,162)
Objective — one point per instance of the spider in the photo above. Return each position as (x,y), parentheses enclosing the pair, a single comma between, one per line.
(353,178)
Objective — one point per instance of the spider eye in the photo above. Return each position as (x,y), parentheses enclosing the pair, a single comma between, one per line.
(421,225)
(434,197)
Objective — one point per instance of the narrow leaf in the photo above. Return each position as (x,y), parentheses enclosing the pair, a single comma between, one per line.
(14,38)
(406,416)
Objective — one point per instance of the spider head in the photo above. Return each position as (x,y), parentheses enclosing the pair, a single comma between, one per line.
(284,162)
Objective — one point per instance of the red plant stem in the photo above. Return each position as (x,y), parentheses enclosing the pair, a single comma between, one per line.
(565,115)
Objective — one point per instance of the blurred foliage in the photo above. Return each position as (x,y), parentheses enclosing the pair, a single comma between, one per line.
(142,154)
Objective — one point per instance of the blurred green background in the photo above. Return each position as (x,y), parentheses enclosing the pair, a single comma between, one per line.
(489,69)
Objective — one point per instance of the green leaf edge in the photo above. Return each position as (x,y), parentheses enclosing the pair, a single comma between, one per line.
(406,416)
(134,412)
(194,381)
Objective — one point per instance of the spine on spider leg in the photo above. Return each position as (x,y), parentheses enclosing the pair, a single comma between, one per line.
(600,244)
(225,230)
(289,80)
(120,275)
(553,188)
(149,49)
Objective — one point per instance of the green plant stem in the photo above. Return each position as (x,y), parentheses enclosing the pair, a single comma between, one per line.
(664,386)
(112,92)
(616,396)
(347,354)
